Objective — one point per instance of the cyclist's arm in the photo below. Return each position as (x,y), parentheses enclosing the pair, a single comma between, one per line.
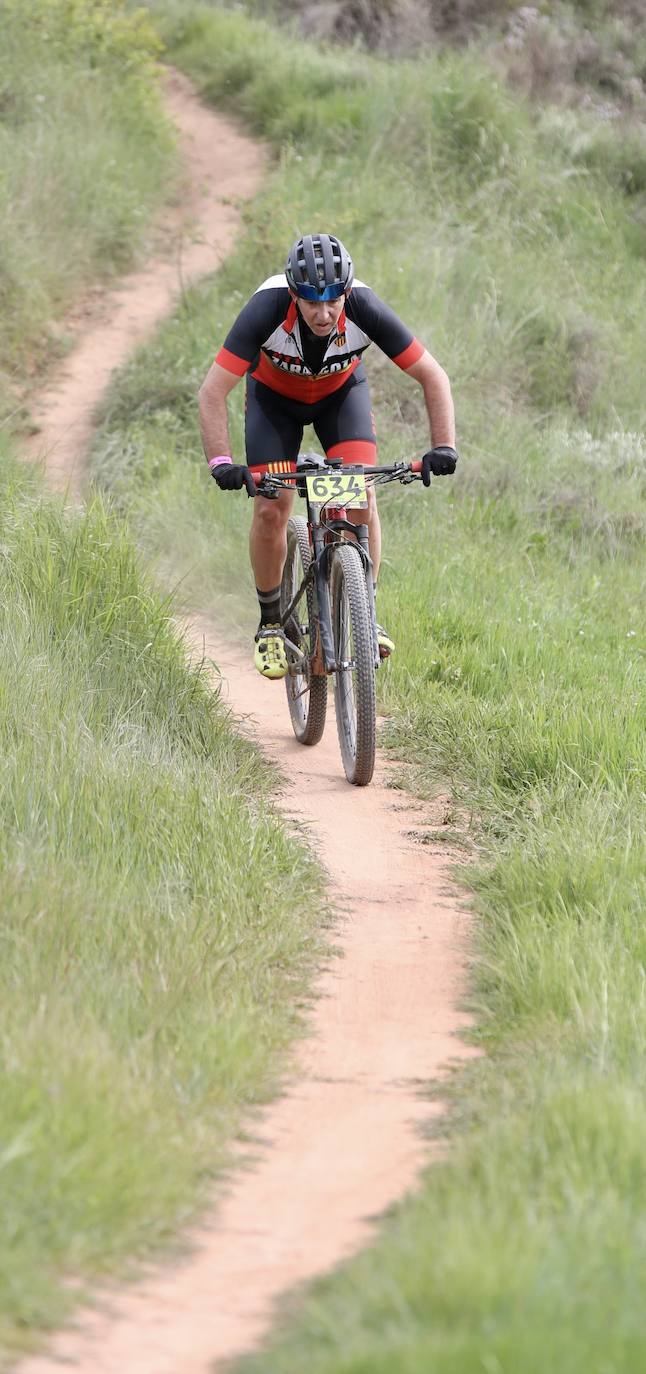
(396,340)
(214,424)
(239,352)
(437,395)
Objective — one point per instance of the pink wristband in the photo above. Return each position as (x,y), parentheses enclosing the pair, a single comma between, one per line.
(223,460)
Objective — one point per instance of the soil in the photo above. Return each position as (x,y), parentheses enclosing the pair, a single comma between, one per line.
(347,1138)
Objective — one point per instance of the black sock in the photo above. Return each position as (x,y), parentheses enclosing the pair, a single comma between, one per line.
(269,606)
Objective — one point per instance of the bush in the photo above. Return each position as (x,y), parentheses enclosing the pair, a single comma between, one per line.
(620,154)
(561,361)
(96,32)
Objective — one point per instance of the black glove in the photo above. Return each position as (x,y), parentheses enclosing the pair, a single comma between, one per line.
(234,476)
(440,461)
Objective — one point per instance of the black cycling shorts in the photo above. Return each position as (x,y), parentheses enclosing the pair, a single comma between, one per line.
(343,424)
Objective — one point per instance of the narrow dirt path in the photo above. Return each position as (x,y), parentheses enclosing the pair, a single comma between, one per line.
(345,1141)
(221,167)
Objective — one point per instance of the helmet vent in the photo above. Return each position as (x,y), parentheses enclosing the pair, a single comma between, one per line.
(319,262)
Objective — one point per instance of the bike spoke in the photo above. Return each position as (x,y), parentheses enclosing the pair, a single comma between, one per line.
(345,666)
(354,679)
(306,694)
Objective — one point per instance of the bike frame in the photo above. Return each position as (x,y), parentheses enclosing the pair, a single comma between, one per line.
(324,660)
(327,529)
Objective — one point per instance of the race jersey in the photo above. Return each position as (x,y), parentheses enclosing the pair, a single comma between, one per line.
(269,340)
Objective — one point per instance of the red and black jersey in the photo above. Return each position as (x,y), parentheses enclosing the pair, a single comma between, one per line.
(268,339)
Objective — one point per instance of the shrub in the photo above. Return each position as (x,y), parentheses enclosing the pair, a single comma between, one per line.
(96,31)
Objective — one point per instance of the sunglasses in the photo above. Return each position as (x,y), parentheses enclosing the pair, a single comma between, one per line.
(312,293)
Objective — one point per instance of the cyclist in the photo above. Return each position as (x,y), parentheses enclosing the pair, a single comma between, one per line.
(300,341)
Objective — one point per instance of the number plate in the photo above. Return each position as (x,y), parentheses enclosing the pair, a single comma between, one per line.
(339,488)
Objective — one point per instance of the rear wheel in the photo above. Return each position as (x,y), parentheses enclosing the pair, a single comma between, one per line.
(306,691)
(354,678)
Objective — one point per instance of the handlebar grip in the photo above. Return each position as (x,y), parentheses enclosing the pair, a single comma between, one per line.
(416,466)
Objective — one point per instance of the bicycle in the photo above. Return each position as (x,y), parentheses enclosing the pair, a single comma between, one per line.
(328,604)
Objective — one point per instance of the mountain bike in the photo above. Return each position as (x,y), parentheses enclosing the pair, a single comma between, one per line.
(328,604)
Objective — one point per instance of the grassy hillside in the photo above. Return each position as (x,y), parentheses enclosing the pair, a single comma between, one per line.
(155,927)
(85,157)
(159,922)
(511,237)
(600,42)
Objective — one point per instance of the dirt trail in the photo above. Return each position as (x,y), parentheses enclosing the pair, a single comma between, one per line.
(345,1140)
(221,168)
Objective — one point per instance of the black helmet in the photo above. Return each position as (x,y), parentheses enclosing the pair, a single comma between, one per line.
(319,268)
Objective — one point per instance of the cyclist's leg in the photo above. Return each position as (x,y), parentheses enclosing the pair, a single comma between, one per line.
(272,436)
(346,429)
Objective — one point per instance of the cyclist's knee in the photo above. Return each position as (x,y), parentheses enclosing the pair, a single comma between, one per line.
(271,516)
(360,514)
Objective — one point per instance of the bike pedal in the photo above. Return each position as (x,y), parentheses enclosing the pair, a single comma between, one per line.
(297,664)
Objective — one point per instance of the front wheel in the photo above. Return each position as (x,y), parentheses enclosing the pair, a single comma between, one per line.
(354,678)
(306,691)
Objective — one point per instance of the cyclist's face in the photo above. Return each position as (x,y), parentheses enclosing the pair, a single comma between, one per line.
(321,316)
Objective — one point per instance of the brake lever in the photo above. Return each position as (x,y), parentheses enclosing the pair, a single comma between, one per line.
(269,492)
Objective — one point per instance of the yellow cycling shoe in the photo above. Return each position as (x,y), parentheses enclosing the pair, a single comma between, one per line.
(270,657)
(386,644)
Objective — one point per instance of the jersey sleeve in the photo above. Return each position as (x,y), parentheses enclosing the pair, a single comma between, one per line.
(256,321)
(383,326)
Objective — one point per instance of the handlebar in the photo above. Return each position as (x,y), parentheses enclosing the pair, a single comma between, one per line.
(396,471)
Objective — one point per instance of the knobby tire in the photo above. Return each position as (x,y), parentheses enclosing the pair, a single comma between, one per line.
(354,687)
(306,693)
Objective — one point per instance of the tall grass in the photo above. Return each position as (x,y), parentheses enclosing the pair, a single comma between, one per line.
(515,596)
(85,157)
(158,921)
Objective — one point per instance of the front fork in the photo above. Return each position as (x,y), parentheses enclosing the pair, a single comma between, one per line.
(324,660)
(362,536)
(322,555)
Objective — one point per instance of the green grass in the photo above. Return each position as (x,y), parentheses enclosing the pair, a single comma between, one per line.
(516,596)
(158,920)
(86,156)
